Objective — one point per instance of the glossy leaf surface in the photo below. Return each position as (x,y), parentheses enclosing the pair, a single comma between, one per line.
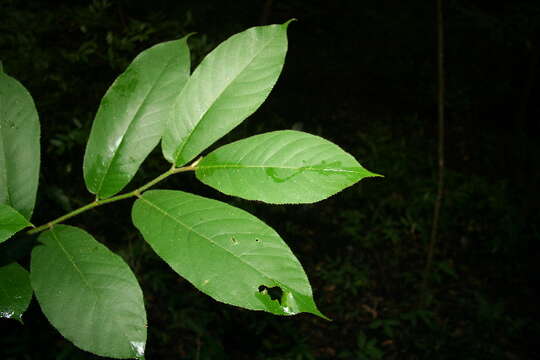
(88,293)
(229,85)
(281,167)
(223,251)
(11,221)
(132,114)
(15,291)
(19,146)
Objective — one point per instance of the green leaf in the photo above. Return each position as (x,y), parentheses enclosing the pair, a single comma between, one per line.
(11,221)
(131,117)
(281,167)
(88,293)
(228,86)
(15,291)
(223,251)
(19,146)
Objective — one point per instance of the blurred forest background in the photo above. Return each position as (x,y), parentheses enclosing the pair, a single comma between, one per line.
(363,75)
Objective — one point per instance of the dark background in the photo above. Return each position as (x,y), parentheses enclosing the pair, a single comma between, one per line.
(361,74)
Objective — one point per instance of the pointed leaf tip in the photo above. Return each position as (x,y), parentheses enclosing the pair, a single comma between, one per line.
(132,115)
(226,252)
(229,84)
(281,167)
(287,23)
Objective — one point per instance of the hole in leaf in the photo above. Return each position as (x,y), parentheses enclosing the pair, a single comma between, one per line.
(275,292)
(257,240)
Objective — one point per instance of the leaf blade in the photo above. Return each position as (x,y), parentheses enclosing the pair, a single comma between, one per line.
(11,222)
(88,293)
(231,82)
(15,291)
(19,146)
(281,167)
(131,117)
(225,252)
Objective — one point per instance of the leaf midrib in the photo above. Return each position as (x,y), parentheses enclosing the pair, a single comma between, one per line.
(164,212)
(238,166)
(72,261)
(130,126)
(179,151)
(94,290)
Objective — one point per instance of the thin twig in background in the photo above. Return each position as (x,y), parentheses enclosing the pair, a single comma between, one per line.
(440,147)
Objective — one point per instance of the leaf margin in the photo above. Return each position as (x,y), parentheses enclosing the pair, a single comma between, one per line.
(92,152)
(26,297)
(16,223)
(173,145)
(202,168)
(29,176)
(136,347)
(138,213)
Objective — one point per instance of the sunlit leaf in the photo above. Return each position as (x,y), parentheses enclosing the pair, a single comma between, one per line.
(88,293)
(281,167)
(19,146)
(11,221)
(229,85)
(223,251)
(15,291)
(130,119)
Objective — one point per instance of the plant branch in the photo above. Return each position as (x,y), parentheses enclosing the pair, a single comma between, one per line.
(137,192)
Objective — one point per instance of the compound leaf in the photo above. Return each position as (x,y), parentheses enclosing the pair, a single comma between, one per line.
(88,293)
(19,146)
(281,167)
(229,85)
(223,251)
(11,221)
(15,291)
(132,114)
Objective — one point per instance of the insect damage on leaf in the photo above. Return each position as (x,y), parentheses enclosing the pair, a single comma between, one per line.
(275,293)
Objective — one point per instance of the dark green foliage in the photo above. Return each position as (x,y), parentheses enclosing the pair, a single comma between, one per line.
(367,262)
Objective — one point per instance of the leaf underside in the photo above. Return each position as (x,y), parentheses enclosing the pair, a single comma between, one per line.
(132,114)
(15,291)
(231,82)
(281,167)
(223,251)
(88,293)
(19,146)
